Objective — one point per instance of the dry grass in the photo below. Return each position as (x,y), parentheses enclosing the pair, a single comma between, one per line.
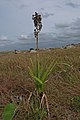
(63,84)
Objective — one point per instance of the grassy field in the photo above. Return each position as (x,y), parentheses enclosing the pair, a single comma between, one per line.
(62,88)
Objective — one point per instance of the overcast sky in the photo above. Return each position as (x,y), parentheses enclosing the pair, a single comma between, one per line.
(60,18)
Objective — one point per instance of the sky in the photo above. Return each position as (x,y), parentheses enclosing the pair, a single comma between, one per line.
(60,19)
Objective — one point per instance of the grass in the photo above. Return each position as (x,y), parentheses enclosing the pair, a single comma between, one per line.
(62,86)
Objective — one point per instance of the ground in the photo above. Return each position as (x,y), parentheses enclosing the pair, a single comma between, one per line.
(61,87)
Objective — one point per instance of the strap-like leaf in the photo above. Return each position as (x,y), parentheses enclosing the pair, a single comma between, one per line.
(33,66)
(35,78)
(30,71)
(32,63)
(65,64)
(38,69)
(48,71)
(53,65)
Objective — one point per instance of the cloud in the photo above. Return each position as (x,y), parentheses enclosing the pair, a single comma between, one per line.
(55,39)
(73,5)
(61,26)
(23,37)
(13,0)
(68,33)
(43,37)
(3,38)
(65,33)
(23,6)
(44,13)
(5,41)
(41,9)
(76,24)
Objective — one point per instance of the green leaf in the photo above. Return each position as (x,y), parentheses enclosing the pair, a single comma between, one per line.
(39,73)
(38,68)
(53,66)
(8,112)
(65,64)
(31,62)
(30,71)
(35,78)
(48,71)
